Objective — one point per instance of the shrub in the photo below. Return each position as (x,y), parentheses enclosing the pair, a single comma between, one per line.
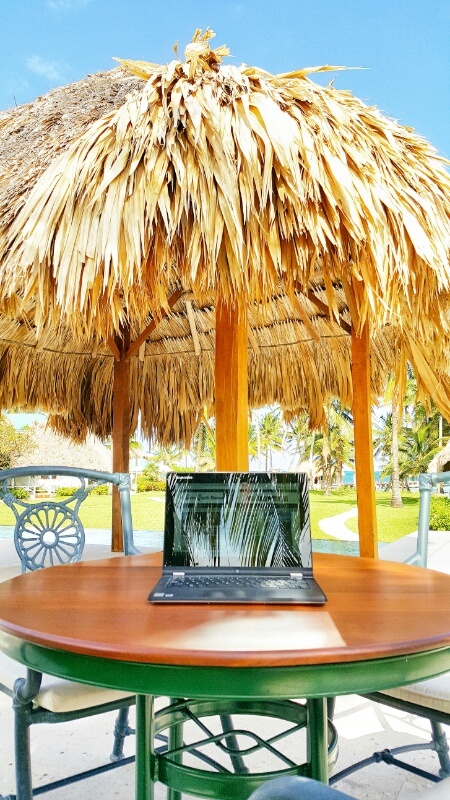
(102,489)
(440,513)
(20,493)
(65,491)
(145,484)
(343,490)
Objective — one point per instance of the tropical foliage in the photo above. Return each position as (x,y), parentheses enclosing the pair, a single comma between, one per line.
(13,443)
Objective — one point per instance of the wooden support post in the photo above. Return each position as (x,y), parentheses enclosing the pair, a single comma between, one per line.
(364,468)
(231,387)
(121,429)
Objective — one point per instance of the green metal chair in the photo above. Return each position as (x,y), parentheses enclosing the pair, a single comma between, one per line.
(48,533)
(428,699)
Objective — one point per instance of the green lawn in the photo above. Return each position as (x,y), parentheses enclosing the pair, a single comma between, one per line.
(148,513)
(322,506)
(147,510)
(393,523)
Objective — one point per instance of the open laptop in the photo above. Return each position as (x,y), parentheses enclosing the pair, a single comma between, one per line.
(237,537)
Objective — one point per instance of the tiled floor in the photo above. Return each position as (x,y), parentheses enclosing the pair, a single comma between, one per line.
(363,728)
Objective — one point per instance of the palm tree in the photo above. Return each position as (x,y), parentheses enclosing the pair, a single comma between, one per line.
(419,447)
(168,457)
(136,448)
(271,434)
(298,437)
(399,406)
(334,445)
(204,445)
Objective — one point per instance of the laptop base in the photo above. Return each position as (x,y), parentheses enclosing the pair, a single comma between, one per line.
(308,594)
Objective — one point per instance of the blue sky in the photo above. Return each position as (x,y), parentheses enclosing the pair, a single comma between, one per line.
(404,45)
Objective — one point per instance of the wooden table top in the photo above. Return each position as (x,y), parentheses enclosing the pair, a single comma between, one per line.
(375,609)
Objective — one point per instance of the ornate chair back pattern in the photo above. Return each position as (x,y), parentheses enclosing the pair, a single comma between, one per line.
(51,532)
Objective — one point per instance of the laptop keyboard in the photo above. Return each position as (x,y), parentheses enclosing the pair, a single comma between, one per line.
(236,581)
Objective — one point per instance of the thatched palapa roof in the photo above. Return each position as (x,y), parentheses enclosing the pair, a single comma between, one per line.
(441,460)
(209,172)
(203,178)
(300,364)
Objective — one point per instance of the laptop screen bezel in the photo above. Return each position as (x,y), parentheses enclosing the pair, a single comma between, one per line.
(305,558)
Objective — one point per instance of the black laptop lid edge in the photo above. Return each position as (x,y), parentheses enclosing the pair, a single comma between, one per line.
(174,478)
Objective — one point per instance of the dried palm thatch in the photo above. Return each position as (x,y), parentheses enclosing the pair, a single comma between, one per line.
(298,358)
(212,178)
(91,453)
(441,460)
(301,366)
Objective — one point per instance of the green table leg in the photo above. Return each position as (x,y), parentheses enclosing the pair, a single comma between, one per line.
(144,747)
(318,739)
(175,740)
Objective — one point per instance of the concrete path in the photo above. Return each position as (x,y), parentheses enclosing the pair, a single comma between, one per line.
(336,527)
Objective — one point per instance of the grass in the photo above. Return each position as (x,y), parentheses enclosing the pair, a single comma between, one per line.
(322,505)
(393,523)
(147,510)
(148,513)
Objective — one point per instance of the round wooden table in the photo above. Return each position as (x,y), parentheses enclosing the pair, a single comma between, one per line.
(384,625)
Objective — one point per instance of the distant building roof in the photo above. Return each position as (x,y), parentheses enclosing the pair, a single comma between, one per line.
(53,449)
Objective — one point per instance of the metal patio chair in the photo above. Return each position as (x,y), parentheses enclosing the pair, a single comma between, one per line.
(48,533)
(429,699)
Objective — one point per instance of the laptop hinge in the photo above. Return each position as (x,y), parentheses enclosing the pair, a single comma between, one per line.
(298,575)
(178,574)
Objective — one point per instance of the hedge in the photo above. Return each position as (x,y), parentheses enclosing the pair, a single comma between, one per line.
(145,484)
(440,513)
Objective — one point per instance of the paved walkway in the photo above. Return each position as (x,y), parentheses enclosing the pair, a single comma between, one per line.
(336,527)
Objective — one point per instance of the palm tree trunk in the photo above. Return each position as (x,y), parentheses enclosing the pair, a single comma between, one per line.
(310,465)
(258,441)
(396,500)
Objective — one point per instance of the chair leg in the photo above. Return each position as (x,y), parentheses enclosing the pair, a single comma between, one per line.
(121,730)
(331,705)
(441,746)
(231,740)
(25,689)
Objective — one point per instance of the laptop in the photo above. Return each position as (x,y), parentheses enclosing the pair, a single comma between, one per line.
(237,537)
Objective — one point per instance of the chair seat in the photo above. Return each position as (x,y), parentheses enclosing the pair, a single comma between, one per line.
(57,694)
(433,693)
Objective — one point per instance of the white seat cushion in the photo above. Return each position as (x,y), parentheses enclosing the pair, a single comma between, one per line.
(433,693)
(57,694)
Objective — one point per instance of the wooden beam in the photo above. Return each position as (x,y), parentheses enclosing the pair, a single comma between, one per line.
(192,326)
(364,467)
(322,307)
(253,341)
(121,429)
(231,387)
(305,319)
(134,346)
(326,310)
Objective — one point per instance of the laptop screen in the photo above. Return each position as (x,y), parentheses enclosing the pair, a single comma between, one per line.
(237,519)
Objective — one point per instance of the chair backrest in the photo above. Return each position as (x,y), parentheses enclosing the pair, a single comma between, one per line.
(51,532)
(427,482)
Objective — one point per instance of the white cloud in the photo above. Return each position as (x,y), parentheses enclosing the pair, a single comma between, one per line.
(49,69)
(65,5)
